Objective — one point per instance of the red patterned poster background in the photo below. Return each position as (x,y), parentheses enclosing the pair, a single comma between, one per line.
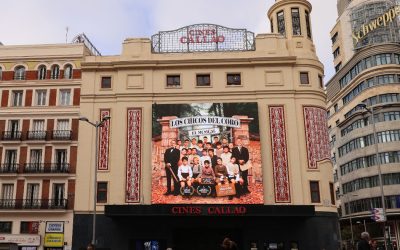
(133,155)
(104,141)
(317,139)
(279,154)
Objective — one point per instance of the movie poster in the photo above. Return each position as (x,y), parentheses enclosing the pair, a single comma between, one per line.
(206,153)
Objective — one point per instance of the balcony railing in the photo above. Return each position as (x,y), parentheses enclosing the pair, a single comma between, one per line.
(62,135)
(46,168)
(33,203)
(37,135)
(12,135)
(9,168)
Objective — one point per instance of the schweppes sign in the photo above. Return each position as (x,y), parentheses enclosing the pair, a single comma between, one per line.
(380,21)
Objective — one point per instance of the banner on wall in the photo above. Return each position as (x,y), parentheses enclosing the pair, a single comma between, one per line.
(206,153)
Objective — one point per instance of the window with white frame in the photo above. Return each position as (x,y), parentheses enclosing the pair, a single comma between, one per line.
(19,73)
(64,97)
(55,72)
(16,98)
(68,71)
(58,194)
(38,125)
(62,124)
(42,71)
(41,95)
(32,195)
(36,157)
(7,192)
(61,159)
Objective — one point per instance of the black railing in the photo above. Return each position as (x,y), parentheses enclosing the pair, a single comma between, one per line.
(12,135)
(9,168)
(37,135)
(33,203)
(46,168)
(62,135)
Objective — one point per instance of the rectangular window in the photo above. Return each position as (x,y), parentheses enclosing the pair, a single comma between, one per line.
(304,78)
(106,82)
(61,158)
(308,25)
(321,81)
(334,38)
(10,160)
(62,124)
(5,227)
(335,107)
(102,192)
(7,192)
(203,80)
(332,192)
(32,196)
(233,79)
(58,195)
(314,191)
(280,17)
(29,227)
(16,99)
(296,22)
(38,125)
(41,97)
(336,52)
(36,157)
(65,96)
(173,81)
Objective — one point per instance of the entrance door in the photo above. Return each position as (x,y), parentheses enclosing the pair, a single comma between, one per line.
(204,238)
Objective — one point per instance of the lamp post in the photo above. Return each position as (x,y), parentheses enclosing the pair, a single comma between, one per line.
(378,162)
(96,125)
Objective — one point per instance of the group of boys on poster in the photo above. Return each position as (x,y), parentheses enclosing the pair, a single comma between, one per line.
(197,160)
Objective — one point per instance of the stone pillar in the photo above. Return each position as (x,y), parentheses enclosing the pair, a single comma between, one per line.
(243,131)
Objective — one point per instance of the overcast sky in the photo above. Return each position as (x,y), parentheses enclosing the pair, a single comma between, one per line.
(108,22)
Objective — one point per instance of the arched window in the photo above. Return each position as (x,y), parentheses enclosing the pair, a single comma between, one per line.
(55,72)
(68,71)
(42,72)
(19,73)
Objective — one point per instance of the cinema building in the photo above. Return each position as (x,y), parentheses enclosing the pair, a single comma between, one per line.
(212,84)
(40,95)
(365,45)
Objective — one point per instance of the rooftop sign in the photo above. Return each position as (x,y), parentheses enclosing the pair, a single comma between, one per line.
(202,38)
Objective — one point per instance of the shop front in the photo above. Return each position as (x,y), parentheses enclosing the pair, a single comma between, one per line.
(22,241)
(186,227)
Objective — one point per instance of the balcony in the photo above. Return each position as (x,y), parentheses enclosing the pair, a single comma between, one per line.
(11,135)
(37,135)
(37,168)
(33,203)
(9,168)
(62,135)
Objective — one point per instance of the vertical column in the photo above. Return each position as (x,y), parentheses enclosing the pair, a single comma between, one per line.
(45,193)
(28,98)
(47,158)
(279,154)
(77,97)
(19,193)
(71,194)
(50,128)
(133,155)
(23,153)
(104,140)
(25,129)
(53,97)
(4,98)
(72,159)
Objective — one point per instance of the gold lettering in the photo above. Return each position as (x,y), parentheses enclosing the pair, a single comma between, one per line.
(356,37)
(379,21)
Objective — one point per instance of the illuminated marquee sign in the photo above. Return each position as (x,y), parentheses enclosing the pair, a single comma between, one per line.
(205,120)
(202,38)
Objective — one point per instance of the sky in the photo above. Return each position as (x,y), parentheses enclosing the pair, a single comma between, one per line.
(108,22)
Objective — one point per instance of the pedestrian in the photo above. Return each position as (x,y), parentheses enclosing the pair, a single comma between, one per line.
(363,244)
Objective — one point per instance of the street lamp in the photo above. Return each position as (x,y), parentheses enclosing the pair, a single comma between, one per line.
(97,125)
(378,162)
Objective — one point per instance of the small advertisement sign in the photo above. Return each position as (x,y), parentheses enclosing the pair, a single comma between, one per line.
(20,239)
(54,240)
(54,227)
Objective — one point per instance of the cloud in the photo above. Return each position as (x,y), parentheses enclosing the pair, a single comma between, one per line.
(107,23)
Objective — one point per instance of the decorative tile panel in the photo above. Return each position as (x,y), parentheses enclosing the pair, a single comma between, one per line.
(279,154)
(133,155)
(317,138)
(104,141)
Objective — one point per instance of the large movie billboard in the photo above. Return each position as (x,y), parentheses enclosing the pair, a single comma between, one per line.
(206,153)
